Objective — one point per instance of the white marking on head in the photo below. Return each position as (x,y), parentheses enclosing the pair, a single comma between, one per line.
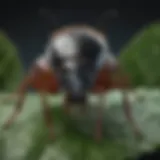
(65,45)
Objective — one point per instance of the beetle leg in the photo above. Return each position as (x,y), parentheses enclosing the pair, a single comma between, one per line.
(21,92)
(128,114)
(47,114)
(16,111)
(99,121)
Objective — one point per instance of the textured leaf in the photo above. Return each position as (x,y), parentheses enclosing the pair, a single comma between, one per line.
(28,138)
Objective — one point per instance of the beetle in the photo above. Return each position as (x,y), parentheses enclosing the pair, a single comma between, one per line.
(78,60)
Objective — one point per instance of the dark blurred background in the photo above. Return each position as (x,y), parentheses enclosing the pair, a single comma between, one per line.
(26,26)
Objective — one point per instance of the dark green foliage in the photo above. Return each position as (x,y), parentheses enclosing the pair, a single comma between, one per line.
(10,65)
(141,57)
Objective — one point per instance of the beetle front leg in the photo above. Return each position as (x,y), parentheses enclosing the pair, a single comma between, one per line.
(47,115)
(128,114)
(99,121)
(16,112)
(21,92)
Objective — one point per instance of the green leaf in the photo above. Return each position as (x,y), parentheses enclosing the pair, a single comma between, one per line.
(10,65)
(140,57)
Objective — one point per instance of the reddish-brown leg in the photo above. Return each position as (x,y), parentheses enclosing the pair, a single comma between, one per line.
(128,113)
(16,112)
(99,122)
(21,92)
(47,115)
